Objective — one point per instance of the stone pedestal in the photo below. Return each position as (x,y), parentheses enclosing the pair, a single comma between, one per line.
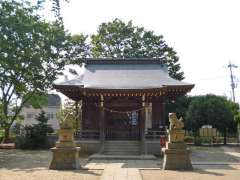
(176,157)
(65,158)
(176,154)
(176,136)
(65,154)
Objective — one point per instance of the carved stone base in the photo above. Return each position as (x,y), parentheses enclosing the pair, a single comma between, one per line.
(65,144)
(176,135)
(66,135)
(65,158)
(176,157)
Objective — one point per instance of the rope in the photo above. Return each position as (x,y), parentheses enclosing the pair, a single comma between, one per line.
(120,112)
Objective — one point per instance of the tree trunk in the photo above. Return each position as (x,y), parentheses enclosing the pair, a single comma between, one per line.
(6,138)
(238,129)
(225,137)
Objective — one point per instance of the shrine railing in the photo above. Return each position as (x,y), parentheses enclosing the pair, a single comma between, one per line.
(119,135)
(125,134)
(87,135)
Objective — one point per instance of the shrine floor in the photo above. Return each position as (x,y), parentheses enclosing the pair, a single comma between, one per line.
(208,162)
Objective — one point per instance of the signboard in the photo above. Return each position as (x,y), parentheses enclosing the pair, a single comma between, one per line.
(134,118)
(208,132)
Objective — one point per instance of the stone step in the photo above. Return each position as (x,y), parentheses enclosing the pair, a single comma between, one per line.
(122,157)
(121,153)
(122,143)
(122,148)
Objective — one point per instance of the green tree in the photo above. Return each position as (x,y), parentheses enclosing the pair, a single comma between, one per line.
(35,136)
(180,107)
(214,110)
(32,53)
(237,120)
(119,39)
(41,128)
(237,117)
(78,49)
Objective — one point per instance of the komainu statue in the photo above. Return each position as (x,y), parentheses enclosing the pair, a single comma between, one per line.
(66,122)
(65,154)
(176,153)
(175,123)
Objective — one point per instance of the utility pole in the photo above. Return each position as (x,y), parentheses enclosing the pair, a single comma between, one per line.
(230,66)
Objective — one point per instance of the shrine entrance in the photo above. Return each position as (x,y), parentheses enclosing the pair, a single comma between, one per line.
(123,99)
(122,125)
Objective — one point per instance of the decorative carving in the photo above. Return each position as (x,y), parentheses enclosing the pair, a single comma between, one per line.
(176,154)
(66,122)
(175,123)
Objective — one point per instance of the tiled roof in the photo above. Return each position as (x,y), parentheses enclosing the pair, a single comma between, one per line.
(124,74)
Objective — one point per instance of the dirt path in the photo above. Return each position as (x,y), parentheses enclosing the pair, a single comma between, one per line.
(33,165)
(232,151)
(216,172)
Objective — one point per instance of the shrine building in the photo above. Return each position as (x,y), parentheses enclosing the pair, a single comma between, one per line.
(123,104)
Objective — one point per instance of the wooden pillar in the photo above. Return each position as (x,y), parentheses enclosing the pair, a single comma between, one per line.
(148,120)
(83,115)
(156,114)
(80,115)
(143,119)
(102,122)
(164,114)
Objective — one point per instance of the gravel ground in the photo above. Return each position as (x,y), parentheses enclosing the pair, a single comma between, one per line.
(213,172)
(33,165)
(211,154)
(237,149)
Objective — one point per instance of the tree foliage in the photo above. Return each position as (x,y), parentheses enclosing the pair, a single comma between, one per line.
(32,53)
(78,49)
(237,118)
(214,110)
(120,39)
(179,106)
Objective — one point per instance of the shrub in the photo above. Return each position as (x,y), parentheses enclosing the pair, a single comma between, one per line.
(207,140)
(198,141)
(34,137)
(1,135)
(188,139)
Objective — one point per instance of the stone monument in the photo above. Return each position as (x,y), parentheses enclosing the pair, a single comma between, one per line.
(176,154)
(65,154)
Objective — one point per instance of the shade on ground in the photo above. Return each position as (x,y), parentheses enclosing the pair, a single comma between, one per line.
(203,172)
(33,165)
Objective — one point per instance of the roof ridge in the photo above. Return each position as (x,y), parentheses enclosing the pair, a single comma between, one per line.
(123,61)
